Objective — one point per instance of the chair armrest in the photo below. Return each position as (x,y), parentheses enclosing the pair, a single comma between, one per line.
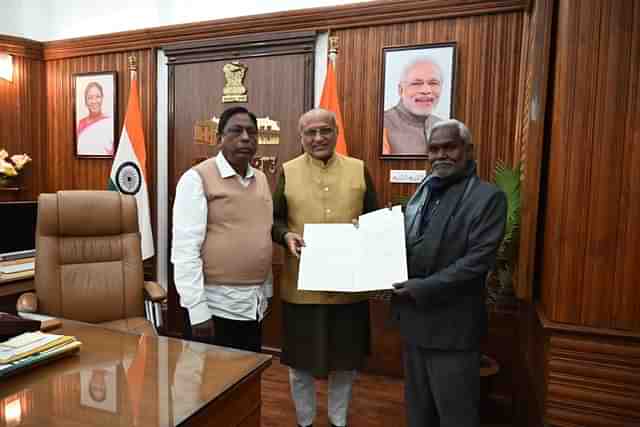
(155,292)
(50,325)
(27,303)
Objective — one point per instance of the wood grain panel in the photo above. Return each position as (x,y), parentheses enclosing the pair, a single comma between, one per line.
(346,16)
(581,376)
(531,374)
(625,309)
(486,88)
(593,381)
(530,133)
(592,219)
(64,170)
(22,47)
(22,121)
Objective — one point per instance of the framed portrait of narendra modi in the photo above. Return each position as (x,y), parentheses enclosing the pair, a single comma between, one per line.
(417,92)
(95,114)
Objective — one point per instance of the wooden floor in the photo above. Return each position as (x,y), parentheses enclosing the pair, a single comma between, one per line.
(377,401)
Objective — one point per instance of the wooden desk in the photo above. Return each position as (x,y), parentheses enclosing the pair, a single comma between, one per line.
(120,379)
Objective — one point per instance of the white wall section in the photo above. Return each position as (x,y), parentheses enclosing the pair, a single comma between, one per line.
(162,170)
(46,20)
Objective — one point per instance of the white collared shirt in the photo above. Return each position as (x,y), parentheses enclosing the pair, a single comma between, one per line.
(189,231)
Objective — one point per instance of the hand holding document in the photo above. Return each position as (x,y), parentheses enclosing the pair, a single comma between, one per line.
(344,258)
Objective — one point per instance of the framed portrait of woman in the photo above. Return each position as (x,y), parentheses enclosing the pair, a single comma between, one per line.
(95,114)
(417,92)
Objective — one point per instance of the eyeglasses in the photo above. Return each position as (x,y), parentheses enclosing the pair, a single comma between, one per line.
(236,131)
(323,132)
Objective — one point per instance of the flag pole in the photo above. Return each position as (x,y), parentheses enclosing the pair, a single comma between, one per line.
(133,73)
(333,49)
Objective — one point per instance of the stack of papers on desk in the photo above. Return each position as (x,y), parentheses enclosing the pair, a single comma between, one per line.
(34,348)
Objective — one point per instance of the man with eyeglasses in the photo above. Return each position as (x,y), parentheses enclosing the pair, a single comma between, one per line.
(325,334)
(406,124)
(222,218)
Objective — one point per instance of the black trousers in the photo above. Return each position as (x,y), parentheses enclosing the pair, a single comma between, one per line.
(320,338)
(442,387)
(240,334)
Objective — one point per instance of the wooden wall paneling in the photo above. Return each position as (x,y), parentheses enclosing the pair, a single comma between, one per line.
(626,299)
(588,265)
(593,381)
(66,171)
(530,137)
(347,16)
(22,115)
(557,168)
(530,375)
(485,94)
(581,376)
(579,129)
(19,46)
(609,147)
(80,173)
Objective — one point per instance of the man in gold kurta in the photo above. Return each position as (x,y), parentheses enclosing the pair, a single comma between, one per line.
(325,333)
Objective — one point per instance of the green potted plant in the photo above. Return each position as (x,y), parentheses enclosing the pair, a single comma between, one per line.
(500,283)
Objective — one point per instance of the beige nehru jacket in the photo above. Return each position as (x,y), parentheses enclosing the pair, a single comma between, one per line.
(237,249)
(319,193)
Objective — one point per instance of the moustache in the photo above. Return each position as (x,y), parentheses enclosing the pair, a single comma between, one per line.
(443,163)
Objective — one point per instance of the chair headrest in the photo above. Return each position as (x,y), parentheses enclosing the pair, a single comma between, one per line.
(87,213)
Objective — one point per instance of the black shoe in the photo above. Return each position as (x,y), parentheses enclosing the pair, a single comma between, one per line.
(333,425)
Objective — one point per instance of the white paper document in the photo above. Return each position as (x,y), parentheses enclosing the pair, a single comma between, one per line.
(343,258)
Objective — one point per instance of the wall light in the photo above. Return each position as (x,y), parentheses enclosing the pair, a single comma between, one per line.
(13,413)
(6,66)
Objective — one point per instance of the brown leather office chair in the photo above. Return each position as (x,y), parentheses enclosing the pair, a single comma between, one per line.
(88,261)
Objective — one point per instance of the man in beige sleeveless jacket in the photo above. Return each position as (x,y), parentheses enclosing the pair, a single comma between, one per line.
(222,218)
(325,333)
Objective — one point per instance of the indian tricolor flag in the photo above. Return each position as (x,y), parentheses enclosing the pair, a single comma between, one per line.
(129,170)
